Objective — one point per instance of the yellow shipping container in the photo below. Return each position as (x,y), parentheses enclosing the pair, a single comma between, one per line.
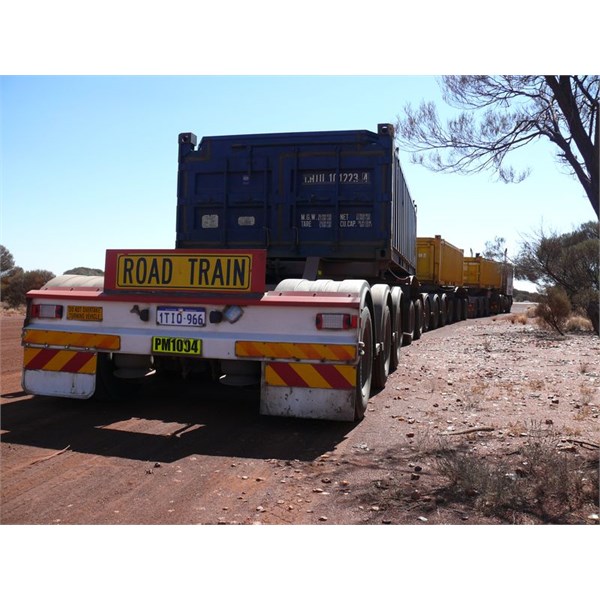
(482,273)
(439,262)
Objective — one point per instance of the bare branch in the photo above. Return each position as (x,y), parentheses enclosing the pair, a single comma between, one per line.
(500,114)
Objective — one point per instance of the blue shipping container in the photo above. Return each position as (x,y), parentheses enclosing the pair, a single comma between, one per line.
(336,195)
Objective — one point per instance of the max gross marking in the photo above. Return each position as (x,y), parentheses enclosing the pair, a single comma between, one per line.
(184,271)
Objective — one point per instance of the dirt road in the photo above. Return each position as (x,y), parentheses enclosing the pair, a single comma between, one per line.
(179,454)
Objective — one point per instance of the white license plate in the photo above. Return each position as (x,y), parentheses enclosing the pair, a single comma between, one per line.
(175,316)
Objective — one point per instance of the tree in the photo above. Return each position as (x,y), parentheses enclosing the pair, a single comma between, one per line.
(495,250)
(570,261)
(501,114)
(15,287)
(84,271)
(7,262)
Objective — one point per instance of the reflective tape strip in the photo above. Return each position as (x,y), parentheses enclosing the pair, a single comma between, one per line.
(64,339)
(66,361)
(283,350)
(338,377)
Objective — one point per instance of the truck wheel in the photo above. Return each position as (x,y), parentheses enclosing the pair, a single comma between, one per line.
(381,366)
(449,310)
(435,312)
(396,327)
(443,310)
(464,304)
(418,331)
(364,369)
(408,321)
(426,312)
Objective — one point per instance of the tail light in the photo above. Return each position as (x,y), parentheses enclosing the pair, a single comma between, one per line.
(336,321)
(46,311)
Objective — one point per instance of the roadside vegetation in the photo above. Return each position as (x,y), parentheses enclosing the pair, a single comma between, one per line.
(16,282)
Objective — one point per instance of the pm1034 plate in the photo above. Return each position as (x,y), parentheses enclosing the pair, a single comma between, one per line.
(176,345)
(178,316)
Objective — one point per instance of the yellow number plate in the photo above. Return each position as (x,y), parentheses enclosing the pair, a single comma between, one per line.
(176,345)
(84,313)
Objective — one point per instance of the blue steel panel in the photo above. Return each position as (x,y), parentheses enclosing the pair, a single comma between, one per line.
(333,194)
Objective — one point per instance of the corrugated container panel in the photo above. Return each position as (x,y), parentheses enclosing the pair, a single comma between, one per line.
(439,262)
(338,195)
(483,273)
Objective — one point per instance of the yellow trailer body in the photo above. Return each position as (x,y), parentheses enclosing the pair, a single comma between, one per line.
(483,273)
(439,262)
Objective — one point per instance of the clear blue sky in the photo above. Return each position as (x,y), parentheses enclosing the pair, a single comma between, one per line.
(90,162)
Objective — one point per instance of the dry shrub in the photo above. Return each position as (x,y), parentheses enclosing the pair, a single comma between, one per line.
(543,480)
(553,310)
(521,319)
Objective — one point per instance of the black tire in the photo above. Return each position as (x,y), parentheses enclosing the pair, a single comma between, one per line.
(450,310)
(418,331)
(408,321)
(443,310)
(426,312)
(435,312)
(381,365)
(364,368)
(397,334)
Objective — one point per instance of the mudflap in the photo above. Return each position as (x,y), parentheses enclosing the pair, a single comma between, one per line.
(57,383)
(326,392)
(307,403)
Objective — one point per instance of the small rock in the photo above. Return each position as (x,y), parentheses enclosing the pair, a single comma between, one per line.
(322,518)
(414,476)
(410,434)
(424,519)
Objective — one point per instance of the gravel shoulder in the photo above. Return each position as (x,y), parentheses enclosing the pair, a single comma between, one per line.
(451,440)
(477,395)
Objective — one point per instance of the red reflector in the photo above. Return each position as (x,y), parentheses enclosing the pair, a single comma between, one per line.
(336,321)
(47,311)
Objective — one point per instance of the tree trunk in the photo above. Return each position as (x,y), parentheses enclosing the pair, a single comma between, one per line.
(592,313)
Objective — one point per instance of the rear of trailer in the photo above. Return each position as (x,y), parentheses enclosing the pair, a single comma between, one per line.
(440,274)
(489,286)
(293,271)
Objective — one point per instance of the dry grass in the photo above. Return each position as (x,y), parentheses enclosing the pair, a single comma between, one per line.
(543,480)
(577,323)
(520,319)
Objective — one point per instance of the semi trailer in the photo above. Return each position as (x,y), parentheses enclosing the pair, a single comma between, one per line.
(440,274)
(489,286)
(294,269)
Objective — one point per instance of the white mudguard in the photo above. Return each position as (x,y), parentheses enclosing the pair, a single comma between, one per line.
(55,383)
(307,403)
